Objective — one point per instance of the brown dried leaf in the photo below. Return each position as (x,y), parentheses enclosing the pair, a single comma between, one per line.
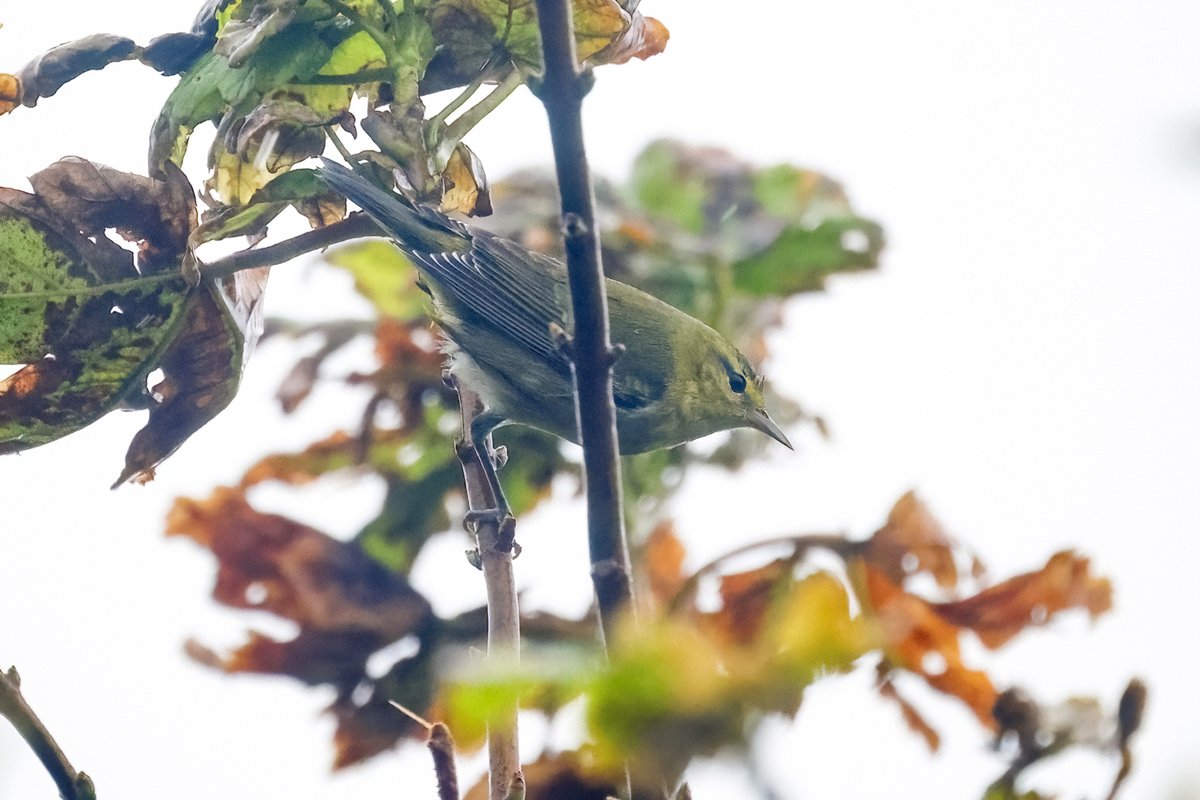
(157,214)
(912,541)
(662,561)
(50,71)
(645,37)
(1000,612)
(345,603)
(465,185)
(746,597)
(921,641)
(202,368)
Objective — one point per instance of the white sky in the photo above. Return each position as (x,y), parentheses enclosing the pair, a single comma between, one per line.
(1027,360)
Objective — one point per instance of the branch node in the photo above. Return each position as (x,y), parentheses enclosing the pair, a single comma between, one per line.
(615,353)
(562,342)
(573,226)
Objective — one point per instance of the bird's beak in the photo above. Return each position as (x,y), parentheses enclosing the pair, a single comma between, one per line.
(759,420)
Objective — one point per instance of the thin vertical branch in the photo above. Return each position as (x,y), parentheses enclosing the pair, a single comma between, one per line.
(495,543)
(72,785)
(561,91)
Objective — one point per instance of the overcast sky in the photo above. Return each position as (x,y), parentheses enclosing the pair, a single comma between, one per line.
(1026,360)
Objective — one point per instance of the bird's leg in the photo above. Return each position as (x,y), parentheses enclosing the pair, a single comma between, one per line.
(485,496)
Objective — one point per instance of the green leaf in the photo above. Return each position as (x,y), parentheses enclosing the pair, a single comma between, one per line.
(801,258)
(663,187)
(213,85)
(86,326)
(383,275)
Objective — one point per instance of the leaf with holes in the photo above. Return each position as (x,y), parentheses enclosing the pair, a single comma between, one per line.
(75,310)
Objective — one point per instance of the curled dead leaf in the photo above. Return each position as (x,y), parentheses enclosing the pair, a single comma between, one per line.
(645,37)
(1000,612)
(912,541)
(921,641)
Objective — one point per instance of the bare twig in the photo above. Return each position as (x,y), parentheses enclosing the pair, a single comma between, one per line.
(441,747)
(72,785)
(561,91)
(495,542)
(352,227)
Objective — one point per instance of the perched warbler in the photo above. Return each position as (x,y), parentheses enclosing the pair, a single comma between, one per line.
(501,304)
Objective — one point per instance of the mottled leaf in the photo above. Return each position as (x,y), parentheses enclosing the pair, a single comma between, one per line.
(202,368)
(73,306)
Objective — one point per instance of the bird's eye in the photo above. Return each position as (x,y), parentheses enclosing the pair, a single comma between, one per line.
(737,382)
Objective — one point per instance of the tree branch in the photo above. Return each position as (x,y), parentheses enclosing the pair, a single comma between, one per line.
(72,785)
(561,91)
(352,227)
(495,542)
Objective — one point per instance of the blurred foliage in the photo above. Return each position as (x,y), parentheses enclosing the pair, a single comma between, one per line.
(724,240)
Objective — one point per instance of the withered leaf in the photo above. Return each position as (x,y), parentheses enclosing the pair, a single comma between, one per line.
(464,185)
(1000,612)
(645,37)
(345,603)
(347,606)
(157,214)
(923,642)
(250,25)
(49,72)
(202,368)
(73,307)
(912,541)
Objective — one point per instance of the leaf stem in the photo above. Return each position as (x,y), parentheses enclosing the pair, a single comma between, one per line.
(457,130)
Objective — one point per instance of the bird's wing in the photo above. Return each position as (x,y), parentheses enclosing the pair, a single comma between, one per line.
(519,294)
(501,285)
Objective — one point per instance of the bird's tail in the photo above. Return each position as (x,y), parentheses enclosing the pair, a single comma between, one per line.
(417,228)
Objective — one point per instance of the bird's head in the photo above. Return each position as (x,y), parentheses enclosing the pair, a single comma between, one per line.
(719,388)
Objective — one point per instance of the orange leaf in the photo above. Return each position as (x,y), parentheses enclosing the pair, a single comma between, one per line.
(645,37)
(662,560)
(10,92)
(912,541)
(747,597)
(1000,612)
(921,641)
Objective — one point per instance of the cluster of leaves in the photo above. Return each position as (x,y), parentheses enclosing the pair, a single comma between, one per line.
(401,434)
(726,241)
(90,321)
(276,78)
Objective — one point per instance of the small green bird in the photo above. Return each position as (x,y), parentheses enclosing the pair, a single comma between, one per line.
(500,304)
